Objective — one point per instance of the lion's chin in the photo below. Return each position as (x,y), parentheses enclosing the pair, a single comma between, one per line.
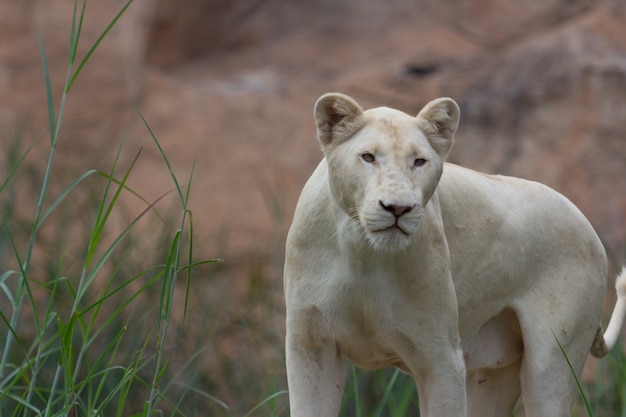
(392,239)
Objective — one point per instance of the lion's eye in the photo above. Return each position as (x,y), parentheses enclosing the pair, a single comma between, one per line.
(419,162)
(368,157)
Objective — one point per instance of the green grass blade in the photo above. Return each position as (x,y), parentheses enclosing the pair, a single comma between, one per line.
(189,244)
(383,401)
(212,398)
(96,305)
(22,271)
(355,387)
(19,345)
(23,288)
(167,161)
(104,213)
(94,237)
(265,401)
(49,97)
(193,169)
(6,275)
(64,194)
(109,352)
(17,165)
(107,176)
(165,299)
(189,267)
(75,32)
(127,378)
(95,45)
(83,286)
(580,388)
(133,370)
(25,404)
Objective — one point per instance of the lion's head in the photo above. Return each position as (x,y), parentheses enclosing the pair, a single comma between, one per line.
(384,164)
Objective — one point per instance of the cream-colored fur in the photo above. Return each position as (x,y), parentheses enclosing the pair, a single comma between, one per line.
(462,279)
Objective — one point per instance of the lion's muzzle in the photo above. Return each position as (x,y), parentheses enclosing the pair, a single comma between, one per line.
(396,210)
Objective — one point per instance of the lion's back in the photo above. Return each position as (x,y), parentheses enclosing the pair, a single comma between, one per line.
(501,204)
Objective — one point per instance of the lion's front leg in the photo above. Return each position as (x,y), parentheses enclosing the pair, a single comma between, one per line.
(441,387)
(315,375)
(430,347)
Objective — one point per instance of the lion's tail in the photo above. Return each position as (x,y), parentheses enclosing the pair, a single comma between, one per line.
(603,343)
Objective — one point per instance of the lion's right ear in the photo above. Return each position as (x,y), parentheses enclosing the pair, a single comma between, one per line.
(337,117)
(439,121)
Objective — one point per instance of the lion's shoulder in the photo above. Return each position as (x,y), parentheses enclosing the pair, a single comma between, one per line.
(313,219)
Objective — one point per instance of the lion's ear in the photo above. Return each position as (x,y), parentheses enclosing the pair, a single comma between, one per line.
(337,117)
(439,121)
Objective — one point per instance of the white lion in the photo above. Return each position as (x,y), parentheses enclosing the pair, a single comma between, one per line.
(464,280)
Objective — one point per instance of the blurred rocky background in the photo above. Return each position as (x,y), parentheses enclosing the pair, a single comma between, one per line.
(231,85)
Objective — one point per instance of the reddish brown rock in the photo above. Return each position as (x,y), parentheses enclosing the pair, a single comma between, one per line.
(540,86)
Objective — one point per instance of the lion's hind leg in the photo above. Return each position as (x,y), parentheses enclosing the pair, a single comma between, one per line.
(548,385)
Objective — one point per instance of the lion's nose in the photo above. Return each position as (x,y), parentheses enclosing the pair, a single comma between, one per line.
(395,209)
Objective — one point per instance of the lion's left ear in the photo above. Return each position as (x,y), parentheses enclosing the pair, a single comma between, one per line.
(439,120)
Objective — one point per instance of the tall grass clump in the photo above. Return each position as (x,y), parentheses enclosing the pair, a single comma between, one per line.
(383,393)
(84,331)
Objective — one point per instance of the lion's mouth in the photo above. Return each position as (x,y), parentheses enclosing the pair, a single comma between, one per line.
(392,228)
